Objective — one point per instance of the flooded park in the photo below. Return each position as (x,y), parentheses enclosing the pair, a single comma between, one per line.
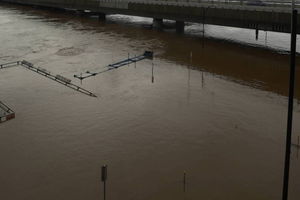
(214,107)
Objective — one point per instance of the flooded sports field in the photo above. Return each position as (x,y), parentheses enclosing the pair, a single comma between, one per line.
(215,109)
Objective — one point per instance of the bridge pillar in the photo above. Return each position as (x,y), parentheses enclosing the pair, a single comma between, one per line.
(158,23)
(180,26)
(101,16)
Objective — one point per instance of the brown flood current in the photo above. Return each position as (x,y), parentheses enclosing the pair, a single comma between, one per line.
(220,116)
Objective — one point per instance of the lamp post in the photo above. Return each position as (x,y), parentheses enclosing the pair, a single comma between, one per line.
(291,104)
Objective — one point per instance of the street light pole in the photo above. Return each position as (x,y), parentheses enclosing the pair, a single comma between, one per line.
(291,104)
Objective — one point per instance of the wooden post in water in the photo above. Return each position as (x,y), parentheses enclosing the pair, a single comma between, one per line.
(291,105)
(104,178)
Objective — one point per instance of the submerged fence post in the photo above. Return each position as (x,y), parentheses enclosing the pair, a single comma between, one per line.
(104,178)
(290,106)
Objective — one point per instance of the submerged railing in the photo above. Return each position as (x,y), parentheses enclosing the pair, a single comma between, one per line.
(128,61)
(58,78)
(6,113)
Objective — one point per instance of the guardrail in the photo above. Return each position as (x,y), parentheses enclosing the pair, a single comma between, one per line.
(236,2)
(260,3)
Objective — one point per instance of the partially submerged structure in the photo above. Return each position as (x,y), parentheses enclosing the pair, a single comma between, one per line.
(58,78)
(122,63)
(6,113)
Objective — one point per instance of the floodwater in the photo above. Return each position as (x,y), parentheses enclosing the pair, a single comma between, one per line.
(220,116)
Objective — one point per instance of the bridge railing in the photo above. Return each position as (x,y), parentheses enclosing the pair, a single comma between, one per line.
(277,3)
(258,3)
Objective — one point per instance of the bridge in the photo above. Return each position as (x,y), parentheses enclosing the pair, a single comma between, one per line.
(267,15)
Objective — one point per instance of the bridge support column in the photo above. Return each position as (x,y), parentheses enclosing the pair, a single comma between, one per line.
(180,26)
(101,16)
(158,23)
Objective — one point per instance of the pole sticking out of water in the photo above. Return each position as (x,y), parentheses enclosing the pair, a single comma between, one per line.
(298,146)
(152,80)
(184,181)
(134,62)
(266,38)
(203,26)
(104,178)
(202,79)
(291,105)
(256,34)
(189,78)
(203,30)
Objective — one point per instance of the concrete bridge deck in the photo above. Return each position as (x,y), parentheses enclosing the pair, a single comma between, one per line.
(268,15)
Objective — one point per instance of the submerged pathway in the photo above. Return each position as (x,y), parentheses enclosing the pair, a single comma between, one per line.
(122,63)
(58,78)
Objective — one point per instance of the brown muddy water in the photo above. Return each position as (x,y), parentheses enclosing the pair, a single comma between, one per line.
(221,116)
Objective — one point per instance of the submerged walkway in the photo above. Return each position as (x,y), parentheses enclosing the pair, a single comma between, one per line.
(57,78)
(122,63)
